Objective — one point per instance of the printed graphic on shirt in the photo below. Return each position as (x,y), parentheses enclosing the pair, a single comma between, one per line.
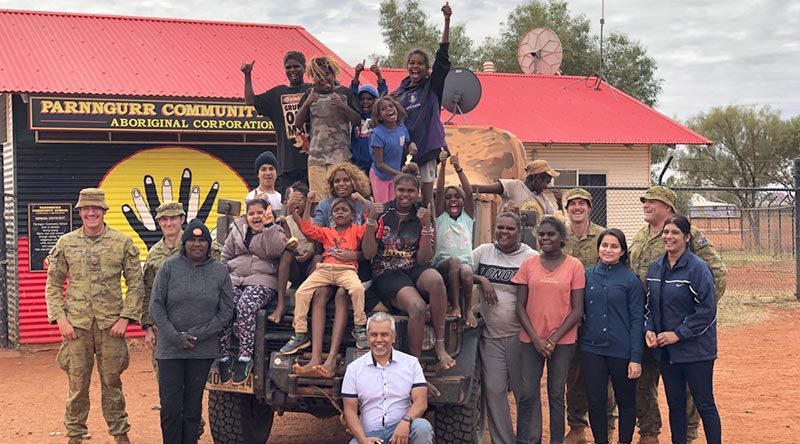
(290,103)
(496,274)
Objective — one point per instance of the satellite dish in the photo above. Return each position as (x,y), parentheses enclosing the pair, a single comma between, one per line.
(462,91)
(540,52)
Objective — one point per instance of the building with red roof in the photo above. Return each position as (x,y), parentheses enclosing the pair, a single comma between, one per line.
(95,77)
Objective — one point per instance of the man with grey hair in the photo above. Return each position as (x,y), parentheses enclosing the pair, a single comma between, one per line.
(389,389)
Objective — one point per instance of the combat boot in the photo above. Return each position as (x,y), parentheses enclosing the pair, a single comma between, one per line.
(75,440)
(576,435)
(122,439)
(648,439)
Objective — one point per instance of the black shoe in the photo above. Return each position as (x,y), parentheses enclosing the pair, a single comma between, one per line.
(241,370)
(224,370)
(360,335)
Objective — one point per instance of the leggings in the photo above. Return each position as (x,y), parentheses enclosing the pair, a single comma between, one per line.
(596,371)
(248,300)
(699,376)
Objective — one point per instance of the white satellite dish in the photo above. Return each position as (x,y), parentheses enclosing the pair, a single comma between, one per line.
(540,52)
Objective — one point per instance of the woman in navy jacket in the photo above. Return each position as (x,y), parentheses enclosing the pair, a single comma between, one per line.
(611,336)
(681,327)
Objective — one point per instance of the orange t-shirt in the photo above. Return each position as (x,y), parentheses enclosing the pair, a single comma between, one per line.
(549,300)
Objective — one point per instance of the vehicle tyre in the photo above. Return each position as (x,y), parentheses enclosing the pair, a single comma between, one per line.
(458,424)
(237,418)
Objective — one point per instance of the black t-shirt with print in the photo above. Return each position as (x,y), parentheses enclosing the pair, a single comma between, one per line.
(280,105)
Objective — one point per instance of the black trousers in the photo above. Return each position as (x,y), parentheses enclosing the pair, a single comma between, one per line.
(699,376)
(180,386)
(596,371)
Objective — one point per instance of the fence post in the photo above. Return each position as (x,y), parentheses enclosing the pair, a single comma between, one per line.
(797,228)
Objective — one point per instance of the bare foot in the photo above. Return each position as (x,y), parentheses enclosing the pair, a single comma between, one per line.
(327,370)
(445,361)
(454,312)
(471,322)
(304,370)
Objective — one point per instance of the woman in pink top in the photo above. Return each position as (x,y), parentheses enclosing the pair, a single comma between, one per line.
(549,306)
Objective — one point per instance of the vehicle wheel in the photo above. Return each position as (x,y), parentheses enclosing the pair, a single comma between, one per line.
(460,423)
(237,418)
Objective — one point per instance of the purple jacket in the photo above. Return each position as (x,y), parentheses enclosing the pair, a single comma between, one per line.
(257,265)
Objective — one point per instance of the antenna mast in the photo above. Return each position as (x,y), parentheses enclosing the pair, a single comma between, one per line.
(602,23)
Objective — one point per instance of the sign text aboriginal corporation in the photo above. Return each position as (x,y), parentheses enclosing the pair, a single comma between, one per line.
(90,114)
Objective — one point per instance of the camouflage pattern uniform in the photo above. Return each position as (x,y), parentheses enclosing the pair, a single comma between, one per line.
(93,303)
(585,249)
(644,250)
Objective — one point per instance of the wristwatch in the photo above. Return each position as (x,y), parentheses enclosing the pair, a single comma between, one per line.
(408,418)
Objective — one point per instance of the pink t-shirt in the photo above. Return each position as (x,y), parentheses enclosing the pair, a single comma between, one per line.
(549,300)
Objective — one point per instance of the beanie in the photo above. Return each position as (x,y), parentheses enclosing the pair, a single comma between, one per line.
(196,229)
(266,158)
(368,89)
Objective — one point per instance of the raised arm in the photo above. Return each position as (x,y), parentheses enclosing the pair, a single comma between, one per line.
(447,11)
(439,199)
(249,95)
(369,245)
(469,203)
(492,188)
(427,240)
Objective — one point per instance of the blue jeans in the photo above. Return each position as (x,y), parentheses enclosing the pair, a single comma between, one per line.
(421,432)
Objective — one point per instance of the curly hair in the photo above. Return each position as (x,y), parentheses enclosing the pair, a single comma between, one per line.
(376,110)
(319,67)
(359,179)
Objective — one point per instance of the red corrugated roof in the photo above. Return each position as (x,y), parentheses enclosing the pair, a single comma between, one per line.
(563,110)
(66,53)
(60,53)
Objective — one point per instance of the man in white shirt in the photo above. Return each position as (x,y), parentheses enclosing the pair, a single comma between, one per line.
(532,193)
(389,389)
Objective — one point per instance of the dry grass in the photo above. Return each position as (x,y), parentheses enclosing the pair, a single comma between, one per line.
(739,308)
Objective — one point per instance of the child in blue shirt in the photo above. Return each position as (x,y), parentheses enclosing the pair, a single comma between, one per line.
(389,142)
(455,218)
(359,138)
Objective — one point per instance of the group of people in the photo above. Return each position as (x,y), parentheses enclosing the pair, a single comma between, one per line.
(606,318)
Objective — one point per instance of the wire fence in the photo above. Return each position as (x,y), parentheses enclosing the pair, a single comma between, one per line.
(756,239)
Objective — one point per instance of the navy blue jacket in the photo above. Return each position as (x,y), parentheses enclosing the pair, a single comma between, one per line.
(613,313)
(682,299)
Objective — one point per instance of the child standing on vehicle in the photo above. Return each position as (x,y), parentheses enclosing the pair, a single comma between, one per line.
(331,109)
(252,253)
(389,141)
(339,267)
(421,93)
(455,217)
(359,140)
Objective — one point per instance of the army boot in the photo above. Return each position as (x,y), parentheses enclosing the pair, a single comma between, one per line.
(576,435)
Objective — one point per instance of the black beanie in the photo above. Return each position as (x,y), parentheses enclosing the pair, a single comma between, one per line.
(266,158)
(196,228)
(296,56)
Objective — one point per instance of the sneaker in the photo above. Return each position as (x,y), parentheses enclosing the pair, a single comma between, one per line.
(122,439)
(224,370)
(297,343)
(241,370)
(360,335)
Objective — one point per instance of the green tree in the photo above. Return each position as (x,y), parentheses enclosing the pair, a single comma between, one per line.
(627,65)
(405,26)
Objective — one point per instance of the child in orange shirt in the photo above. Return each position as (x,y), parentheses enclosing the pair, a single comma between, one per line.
(339,267)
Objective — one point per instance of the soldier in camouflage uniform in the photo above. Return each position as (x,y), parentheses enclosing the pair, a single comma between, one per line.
(581,243)
(658,203)
(94,316)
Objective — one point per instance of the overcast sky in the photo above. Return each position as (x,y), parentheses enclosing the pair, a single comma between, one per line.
(709,52)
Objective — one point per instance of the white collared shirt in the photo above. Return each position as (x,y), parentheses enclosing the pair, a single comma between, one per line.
(383,393)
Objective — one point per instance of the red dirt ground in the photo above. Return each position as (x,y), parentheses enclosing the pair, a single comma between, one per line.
(756,384)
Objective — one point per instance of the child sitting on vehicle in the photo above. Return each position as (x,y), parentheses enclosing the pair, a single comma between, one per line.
(331,109)
(455,217)
(339,266)
(389,143)
(296,260)
(366,94)
(252,253)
